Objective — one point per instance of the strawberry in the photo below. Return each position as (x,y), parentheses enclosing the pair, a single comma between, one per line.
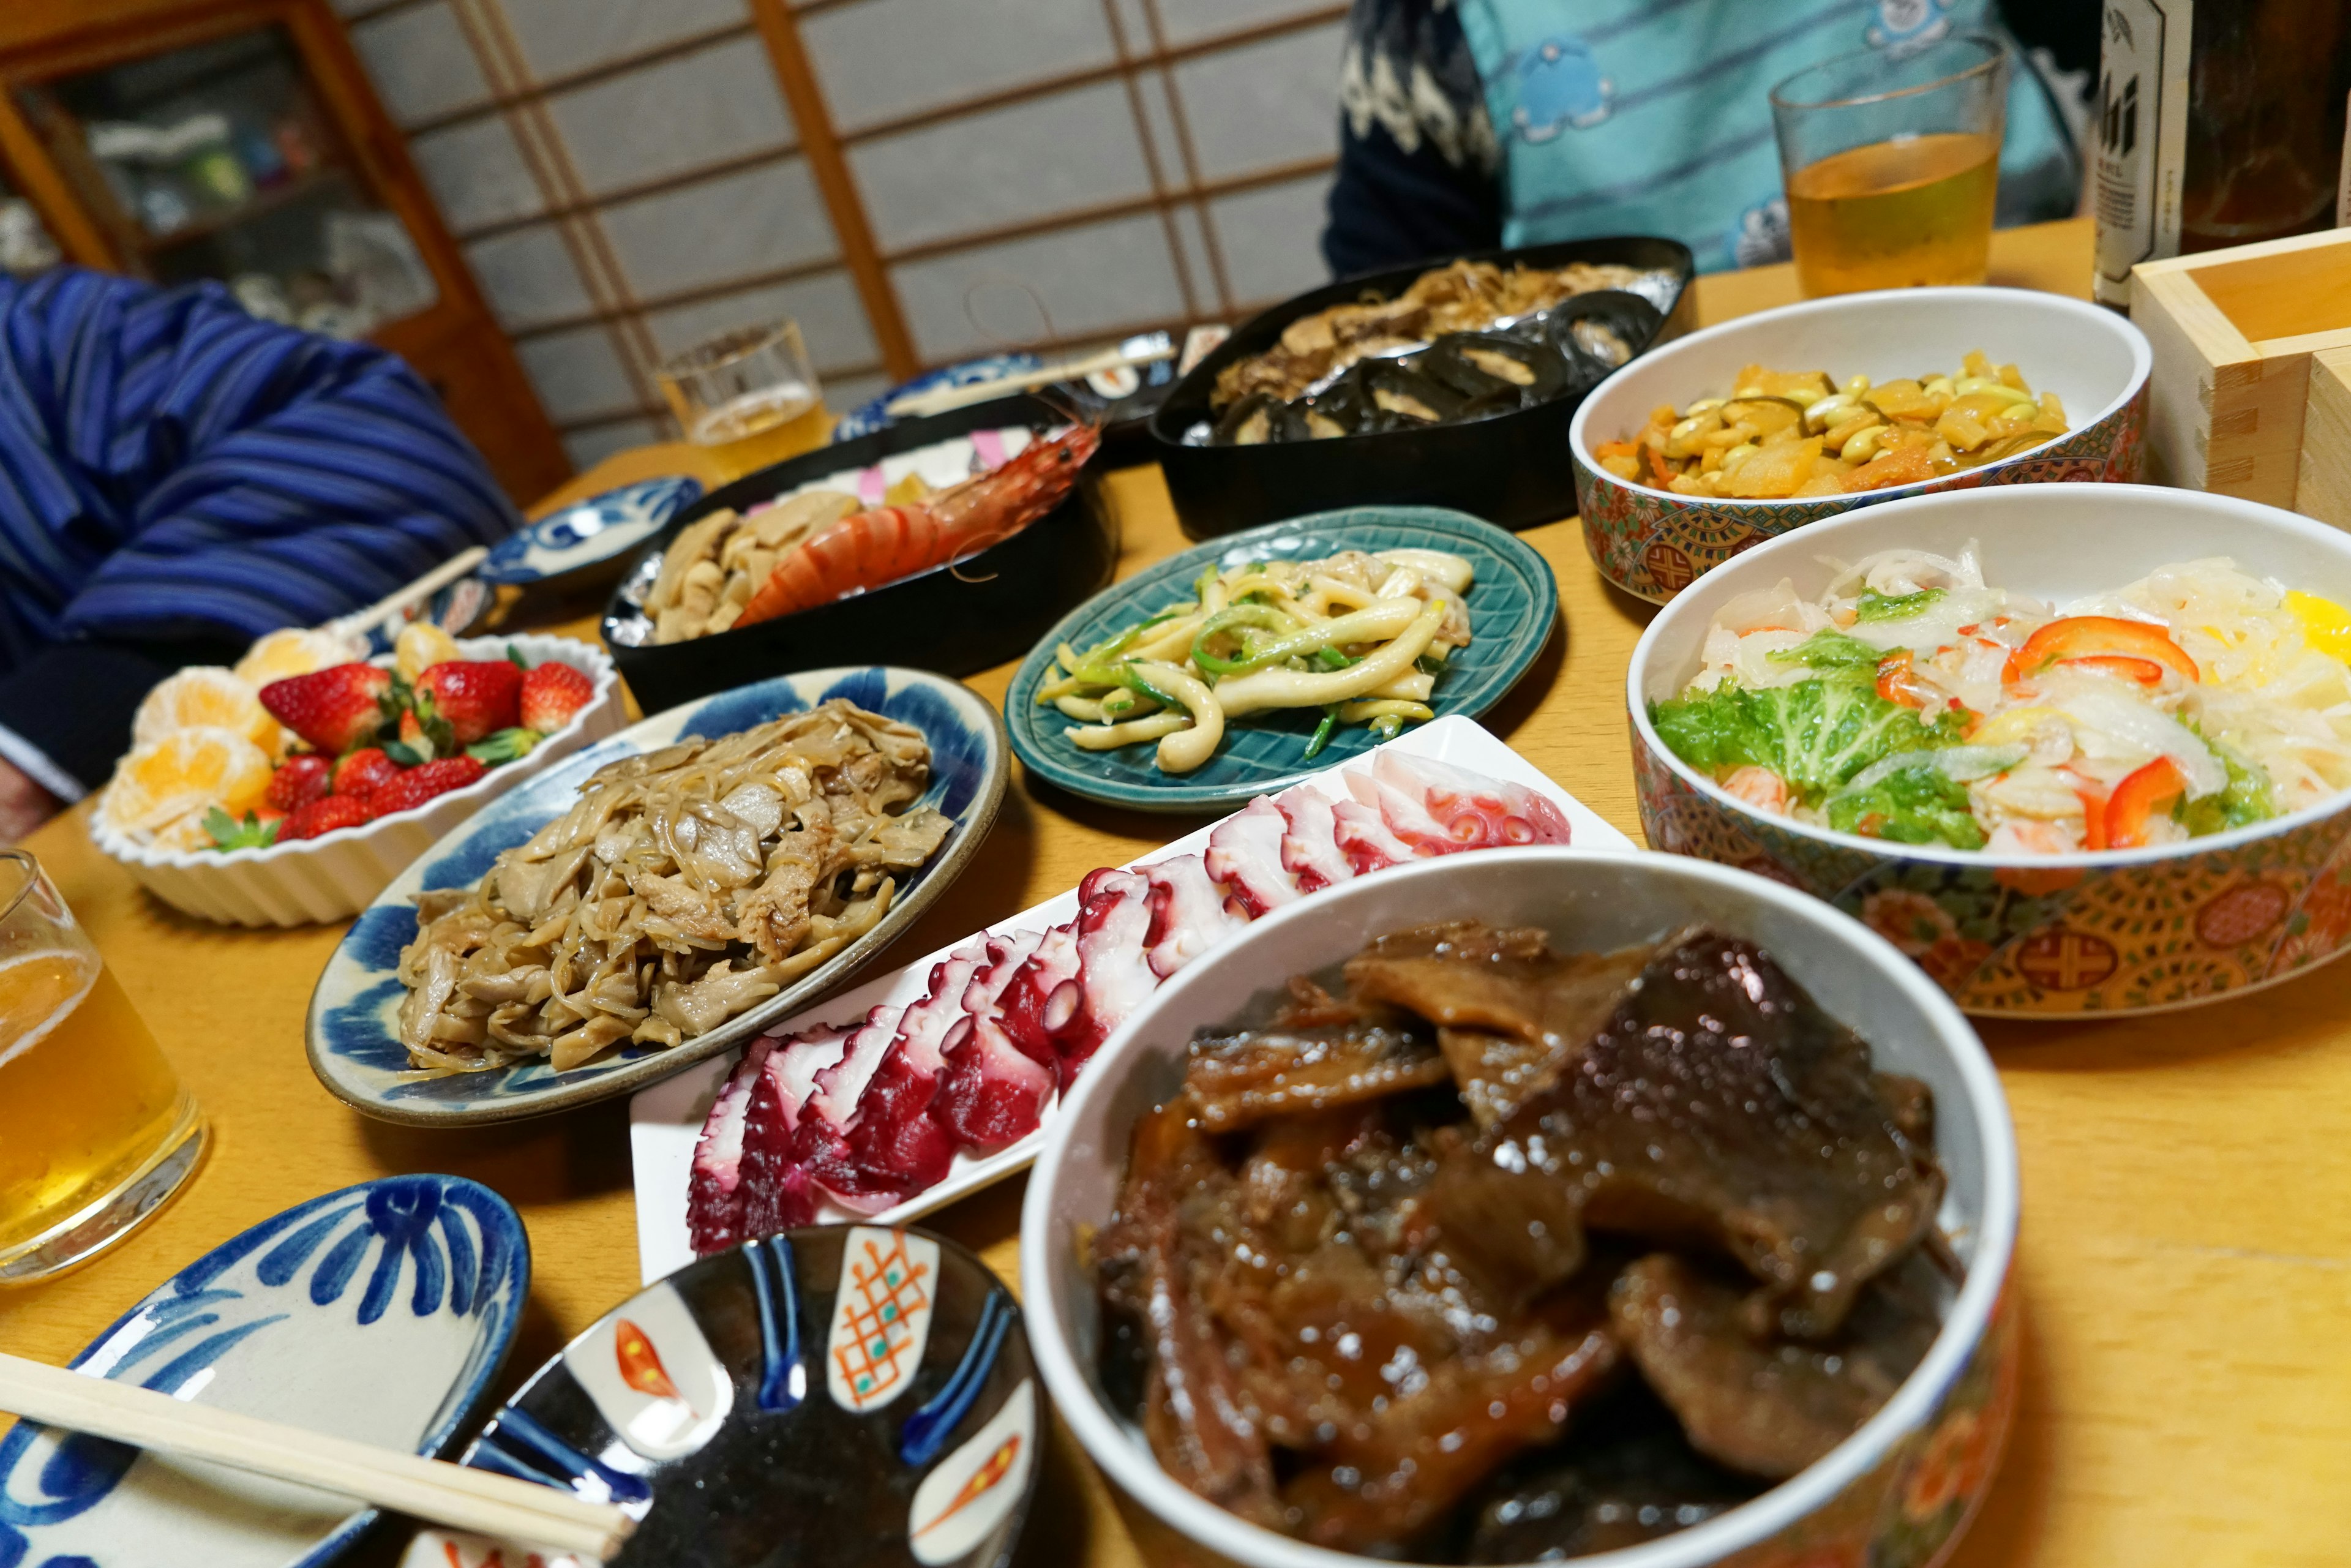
(475,698)
(421,739)
(419,785)
(551,693)
(368,768)
(300,779)
(323,816)
(333,709)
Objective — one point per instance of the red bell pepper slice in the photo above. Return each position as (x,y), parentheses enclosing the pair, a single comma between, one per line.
(1898,682)
(2138,799)
(2145,671)
(2084,636)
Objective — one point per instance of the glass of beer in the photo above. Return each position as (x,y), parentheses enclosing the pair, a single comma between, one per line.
(95,1131)
(1892,161)
(748,396)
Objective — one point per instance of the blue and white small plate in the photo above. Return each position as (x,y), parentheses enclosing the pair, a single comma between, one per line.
(874,413)
(572,543)
(378,1314)
(1513,600)
(353,1026)
(856,1395)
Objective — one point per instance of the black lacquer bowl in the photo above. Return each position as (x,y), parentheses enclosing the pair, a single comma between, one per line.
(1511,468)
(857,1397)
(955,618)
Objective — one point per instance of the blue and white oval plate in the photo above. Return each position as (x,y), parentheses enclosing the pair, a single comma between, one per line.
(354,1028)
(1513,602)
(378,1314)
(855,1395)
(601,532)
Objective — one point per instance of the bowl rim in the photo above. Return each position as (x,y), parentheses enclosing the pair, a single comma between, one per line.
(2142,367)
(1645,652)
(599,669)
(1134,1470)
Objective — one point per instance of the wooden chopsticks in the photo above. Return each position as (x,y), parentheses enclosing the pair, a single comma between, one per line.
(429,1489)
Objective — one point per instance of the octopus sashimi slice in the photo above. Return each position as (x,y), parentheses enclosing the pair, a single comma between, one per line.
(1406,815)
(779,1192)
(1310,839)
(1042,996)
(1474,810)
(925,1026)
(1363,838)
(1113,966)
(990,1094)
(1188,914)
(713,1199)
(1245,855)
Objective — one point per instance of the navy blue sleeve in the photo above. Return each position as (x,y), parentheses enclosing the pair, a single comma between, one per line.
(1418,174)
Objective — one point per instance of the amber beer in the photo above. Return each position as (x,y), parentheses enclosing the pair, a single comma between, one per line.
(748,397)
(1916,210)
(95,1130)
(762,428)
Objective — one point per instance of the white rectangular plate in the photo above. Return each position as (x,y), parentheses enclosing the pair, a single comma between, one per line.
(666,1119)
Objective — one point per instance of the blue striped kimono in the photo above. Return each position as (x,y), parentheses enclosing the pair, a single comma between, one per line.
(177,478)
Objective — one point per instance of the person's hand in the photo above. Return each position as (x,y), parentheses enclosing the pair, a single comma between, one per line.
(24,805)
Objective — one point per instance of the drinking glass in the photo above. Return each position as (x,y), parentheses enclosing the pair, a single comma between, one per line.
(748,396)
(95,1131)
(1891,161)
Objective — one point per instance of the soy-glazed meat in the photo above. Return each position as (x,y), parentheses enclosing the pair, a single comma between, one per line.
(685,886)
(1366,1284)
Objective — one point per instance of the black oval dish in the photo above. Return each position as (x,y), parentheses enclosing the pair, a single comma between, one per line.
(981,611)
(853,1396)
(1512,469)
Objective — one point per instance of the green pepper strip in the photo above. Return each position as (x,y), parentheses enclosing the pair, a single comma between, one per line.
(1331,659)
(1263,617)
(1323,731)
(1133,680)
(1304,644)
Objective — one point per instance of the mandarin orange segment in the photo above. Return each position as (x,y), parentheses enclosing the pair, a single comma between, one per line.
(293,651)
(163,784)
(204,698)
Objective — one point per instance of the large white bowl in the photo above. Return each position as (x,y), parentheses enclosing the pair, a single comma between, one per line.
(2142,930)
(1653,543)
(337,875)
(1958,1402)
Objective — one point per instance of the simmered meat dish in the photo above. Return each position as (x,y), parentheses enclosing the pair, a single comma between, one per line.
(685,886)
(1502,1253)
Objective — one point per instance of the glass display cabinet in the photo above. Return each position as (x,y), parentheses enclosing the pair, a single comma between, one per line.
(239,140)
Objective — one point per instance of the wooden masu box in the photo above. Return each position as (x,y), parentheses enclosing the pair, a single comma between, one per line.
(2251,390)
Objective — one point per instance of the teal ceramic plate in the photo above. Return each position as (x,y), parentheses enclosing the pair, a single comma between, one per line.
(1512,604)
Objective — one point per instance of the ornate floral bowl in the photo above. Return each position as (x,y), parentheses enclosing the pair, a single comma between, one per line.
(1893,1495)
(1653,544)
(2144,930)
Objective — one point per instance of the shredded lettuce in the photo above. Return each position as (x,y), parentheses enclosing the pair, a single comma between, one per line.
(1815,735)
(1895,606)
(2244,800)
(1910,806)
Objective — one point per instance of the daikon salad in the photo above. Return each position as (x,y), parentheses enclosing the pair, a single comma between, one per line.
(1911,701)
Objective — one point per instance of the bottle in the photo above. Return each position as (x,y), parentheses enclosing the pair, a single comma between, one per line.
(2219,123)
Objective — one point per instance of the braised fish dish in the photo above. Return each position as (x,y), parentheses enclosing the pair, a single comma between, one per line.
(684,887)
(1503,1254)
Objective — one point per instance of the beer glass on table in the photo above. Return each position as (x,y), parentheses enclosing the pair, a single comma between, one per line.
(748,396)
(95,1131)
(1892,162)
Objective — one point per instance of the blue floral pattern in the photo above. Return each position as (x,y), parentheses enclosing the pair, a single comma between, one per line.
(593,533)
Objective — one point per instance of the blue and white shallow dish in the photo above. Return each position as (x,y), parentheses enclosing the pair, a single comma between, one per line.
(378,1314)
(353,1026)
(1513,601)
(859,1396)
(598,532)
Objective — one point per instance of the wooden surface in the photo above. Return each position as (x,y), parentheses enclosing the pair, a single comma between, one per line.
(2184,1272)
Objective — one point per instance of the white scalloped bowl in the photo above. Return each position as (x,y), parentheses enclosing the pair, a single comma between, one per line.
(337,875)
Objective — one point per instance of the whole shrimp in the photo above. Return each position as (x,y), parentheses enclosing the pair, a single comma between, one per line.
(869,550)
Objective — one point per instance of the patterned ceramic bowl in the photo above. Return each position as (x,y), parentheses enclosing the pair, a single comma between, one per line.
(1893,1495)
(2143,930)
(1653,543)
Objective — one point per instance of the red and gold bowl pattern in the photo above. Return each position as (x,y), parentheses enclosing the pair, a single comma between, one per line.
(2124,931)
(1653,543)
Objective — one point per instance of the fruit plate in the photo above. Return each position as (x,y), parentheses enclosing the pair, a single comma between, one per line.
(353,1031)
(337,875)
(1513,601)
(380,1313)
(666,1120)
(850,1395)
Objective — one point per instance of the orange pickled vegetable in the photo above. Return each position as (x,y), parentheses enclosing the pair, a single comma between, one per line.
(2082,636)
(2138,799)
(1906,466)
(2145,671)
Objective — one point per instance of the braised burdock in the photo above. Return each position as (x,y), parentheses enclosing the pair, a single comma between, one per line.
(1504,1253)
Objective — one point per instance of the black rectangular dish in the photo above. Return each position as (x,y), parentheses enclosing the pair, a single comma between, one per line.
(983,610)
(1509,468)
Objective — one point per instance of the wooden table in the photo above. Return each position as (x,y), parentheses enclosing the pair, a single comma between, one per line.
(2184,1271)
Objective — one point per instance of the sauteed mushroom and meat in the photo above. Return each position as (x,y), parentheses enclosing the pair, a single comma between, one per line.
(685,886)
(1507,1254)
